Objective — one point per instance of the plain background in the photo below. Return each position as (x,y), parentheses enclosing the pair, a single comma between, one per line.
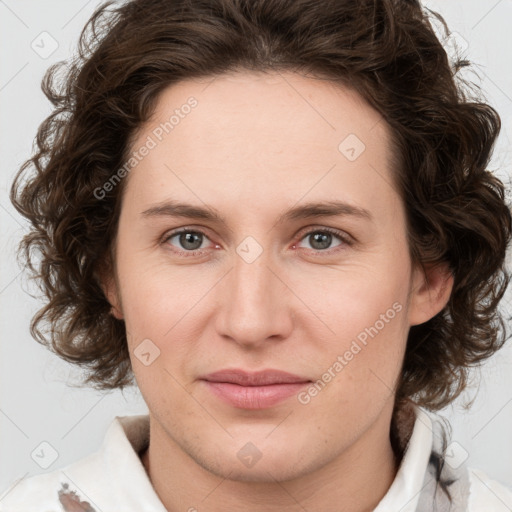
(37,404)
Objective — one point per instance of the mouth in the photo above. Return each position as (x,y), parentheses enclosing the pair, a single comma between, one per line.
(254,390)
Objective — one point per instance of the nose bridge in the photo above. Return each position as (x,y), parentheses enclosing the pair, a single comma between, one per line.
(254,305)
(251,281)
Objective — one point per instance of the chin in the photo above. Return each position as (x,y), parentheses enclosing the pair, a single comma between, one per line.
(245,462)
(263,471)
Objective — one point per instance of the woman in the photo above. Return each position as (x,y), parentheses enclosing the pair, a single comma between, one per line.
(275,218)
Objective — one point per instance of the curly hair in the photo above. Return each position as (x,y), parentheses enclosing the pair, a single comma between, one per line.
(386,50)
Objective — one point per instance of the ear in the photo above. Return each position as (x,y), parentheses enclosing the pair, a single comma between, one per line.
(108,283)
(431,288)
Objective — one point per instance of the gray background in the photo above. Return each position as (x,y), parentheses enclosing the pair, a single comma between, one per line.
(37,402)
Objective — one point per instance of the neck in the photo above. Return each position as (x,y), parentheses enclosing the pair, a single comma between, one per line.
(356,480)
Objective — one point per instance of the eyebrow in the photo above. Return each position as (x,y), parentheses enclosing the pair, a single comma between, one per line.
(311,210)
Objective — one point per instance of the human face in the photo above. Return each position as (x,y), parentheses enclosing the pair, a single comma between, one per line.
(264,290)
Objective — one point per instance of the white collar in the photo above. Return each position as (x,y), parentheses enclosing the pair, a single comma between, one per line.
(404,493)
(127,435)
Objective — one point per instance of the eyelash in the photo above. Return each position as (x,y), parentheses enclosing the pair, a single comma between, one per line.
(339,234)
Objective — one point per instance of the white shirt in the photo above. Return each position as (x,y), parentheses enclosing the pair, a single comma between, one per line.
(113,478)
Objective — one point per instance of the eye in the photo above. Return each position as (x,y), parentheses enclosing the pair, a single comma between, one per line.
(189,241)
(321,239)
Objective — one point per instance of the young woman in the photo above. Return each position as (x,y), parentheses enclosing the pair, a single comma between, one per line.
(274,217)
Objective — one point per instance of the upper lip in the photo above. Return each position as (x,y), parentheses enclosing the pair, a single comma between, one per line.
(261,378)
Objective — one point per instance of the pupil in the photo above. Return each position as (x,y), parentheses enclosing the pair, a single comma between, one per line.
(187,238)
(320,240)
(323,238)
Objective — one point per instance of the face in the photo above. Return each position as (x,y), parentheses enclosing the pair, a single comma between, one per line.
(325,293)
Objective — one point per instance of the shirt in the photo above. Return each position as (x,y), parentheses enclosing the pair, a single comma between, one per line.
(113,479)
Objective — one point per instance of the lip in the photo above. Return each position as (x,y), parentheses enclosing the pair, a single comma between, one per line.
(261,378)
(254,390)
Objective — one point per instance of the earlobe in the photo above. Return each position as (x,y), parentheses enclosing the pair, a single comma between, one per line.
(432,285)
(112,297)
(109,286)
(114,311)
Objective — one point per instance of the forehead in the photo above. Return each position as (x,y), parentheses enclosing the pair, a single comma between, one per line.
(311,110)
(256,133)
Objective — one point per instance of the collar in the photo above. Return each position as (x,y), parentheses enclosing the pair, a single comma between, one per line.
(128,435)
(125,438)
(404,493)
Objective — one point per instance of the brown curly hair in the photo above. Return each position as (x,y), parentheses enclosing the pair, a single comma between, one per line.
(387,50)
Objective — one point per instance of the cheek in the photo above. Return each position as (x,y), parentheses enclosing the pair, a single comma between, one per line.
(355,298)
(156,294)
(160,307)
(364,315)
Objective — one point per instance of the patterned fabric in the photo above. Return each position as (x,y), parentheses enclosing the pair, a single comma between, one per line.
(431,476)
(445,487)
(71,502)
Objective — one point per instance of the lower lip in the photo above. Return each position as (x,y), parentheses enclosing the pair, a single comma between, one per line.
(254,397)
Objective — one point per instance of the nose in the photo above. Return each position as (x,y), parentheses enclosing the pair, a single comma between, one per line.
(255,305)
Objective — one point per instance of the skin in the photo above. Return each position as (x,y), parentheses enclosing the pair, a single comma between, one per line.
(256,145)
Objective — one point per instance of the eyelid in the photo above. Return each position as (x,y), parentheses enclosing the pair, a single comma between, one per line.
(185,229)
(343,235)
(308,230)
